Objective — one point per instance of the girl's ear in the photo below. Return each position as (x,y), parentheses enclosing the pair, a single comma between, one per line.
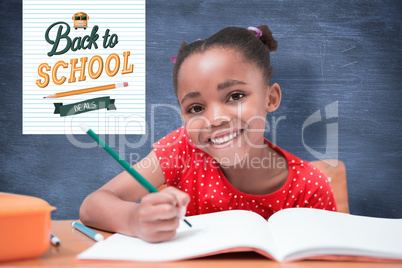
(274,98)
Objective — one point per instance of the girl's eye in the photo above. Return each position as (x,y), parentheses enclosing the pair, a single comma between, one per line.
(195,109)
(236,96)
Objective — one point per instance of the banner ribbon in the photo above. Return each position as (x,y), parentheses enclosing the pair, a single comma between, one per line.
(84,106)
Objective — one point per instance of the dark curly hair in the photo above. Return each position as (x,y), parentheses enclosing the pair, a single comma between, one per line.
(254,50)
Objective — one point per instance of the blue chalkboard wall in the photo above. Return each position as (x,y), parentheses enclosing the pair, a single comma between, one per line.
(340,54)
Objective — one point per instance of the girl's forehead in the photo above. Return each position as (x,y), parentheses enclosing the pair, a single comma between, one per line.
(214,67)
(222,52)
(215,59)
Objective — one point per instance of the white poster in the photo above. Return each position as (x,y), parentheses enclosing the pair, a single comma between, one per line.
(83,61)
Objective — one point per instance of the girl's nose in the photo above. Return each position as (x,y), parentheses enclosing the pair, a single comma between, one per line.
(216,115)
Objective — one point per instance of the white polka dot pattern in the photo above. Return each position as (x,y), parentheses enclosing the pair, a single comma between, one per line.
(198,174)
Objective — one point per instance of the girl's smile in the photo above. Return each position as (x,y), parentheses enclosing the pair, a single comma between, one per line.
(224,137)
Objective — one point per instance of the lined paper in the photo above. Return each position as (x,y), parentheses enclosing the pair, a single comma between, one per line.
(126,19)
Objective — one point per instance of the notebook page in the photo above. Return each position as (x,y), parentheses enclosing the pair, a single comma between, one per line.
(210,233)
(303,232)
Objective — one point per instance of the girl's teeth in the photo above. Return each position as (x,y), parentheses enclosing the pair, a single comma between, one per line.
(225,139)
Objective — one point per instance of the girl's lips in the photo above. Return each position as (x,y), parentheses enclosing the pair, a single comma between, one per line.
(224,138)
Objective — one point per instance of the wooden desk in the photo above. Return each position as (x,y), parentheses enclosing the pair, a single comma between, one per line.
(74,242)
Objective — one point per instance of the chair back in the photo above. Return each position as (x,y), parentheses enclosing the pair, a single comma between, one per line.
(336,174)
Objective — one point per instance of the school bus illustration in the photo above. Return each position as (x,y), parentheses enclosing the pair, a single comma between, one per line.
(80,20)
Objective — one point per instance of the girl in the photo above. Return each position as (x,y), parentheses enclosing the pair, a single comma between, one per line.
(219,160)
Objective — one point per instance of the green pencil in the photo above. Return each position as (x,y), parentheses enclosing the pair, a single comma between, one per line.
(121,161)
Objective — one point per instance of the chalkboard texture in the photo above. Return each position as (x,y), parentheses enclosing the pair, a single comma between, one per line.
(338,64)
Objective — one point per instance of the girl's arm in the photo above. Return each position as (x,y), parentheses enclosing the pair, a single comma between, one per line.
(113,207)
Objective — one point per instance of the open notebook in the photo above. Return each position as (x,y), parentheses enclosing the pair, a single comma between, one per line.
(290,234)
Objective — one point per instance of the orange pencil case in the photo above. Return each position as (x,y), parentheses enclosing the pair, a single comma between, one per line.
(24,226)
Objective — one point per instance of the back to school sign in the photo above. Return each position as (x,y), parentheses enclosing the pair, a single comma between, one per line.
(83,61)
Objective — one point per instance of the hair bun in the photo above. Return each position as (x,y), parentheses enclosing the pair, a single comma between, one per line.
(267,38)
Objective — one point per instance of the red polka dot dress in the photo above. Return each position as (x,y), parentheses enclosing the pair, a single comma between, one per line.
(191,170)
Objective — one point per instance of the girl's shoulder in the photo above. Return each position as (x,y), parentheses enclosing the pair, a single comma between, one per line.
(177,137)
(179,157)
(175,144)
(299,168)
(176,150)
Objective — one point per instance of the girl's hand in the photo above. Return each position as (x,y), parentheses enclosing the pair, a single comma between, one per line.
(158,215)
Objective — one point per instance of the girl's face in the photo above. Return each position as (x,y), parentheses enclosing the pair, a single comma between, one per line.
(224,103)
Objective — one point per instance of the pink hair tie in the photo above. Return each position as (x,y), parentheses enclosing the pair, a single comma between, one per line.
(255,29)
